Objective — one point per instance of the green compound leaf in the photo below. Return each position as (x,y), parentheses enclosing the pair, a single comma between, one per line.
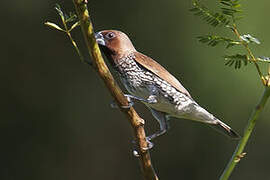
(237,60)
(230,8)
(231,3)
(212,40)
(213,18)
(230,12)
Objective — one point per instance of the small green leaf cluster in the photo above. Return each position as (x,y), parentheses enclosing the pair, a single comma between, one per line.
(237,60)
(213,40)
(212,18)
(71,17)
(66,18)
(230,12)
(231,8)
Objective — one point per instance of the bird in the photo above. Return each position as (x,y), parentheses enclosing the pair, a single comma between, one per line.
(150,83)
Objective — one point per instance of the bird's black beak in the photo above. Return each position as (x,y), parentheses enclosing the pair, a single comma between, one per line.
(100,39)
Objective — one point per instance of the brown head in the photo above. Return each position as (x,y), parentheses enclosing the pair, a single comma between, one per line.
(115,44)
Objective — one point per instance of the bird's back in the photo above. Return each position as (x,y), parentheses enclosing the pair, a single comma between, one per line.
(160,71)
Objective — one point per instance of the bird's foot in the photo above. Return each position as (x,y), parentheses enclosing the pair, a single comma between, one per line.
(135,151)
(151,99)
(150,145)
(130,104)
(114,105)
(155,135)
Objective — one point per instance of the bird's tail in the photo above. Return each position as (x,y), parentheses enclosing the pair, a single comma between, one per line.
(225,129)
(198,113)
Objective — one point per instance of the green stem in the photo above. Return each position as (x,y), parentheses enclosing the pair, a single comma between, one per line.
(235,30)
(238,153)
(77,48)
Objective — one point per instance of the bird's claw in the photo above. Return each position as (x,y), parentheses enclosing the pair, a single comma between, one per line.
(130,104)
(150,145)
(136,153)
(114,105)
(152,99)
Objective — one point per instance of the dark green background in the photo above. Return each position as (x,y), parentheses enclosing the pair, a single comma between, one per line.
(56,121)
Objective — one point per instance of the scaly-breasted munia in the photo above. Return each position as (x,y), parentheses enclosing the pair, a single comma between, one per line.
(149,82)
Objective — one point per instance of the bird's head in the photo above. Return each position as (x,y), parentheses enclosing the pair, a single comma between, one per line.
(114,43)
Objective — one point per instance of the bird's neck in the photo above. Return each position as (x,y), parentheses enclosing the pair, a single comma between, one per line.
(122,54)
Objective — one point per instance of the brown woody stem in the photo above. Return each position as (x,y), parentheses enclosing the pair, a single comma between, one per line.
(103,71)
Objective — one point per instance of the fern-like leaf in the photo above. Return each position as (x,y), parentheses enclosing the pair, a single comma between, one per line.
(212,40)
(237,60)
(229,11)
(210,17)
(231,3)
(230,8)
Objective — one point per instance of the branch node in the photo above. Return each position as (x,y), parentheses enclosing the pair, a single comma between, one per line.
(141,121)
(239,157)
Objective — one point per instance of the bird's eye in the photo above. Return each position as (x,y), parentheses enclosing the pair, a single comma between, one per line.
(110,35)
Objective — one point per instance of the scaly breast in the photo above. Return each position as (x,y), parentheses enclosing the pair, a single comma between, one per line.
(142,83)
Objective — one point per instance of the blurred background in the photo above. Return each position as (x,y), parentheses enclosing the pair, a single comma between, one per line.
(56,121)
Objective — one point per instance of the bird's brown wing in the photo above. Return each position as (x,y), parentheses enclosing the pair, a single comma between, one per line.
(160,71)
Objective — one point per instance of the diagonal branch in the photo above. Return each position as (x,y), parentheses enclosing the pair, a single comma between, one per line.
(104,73)
(235,30)
(238,153)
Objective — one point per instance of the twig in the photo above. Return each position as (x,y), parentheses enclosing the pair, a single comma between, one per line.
(103,71)
(67,31)
(238,153)
(234,28)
